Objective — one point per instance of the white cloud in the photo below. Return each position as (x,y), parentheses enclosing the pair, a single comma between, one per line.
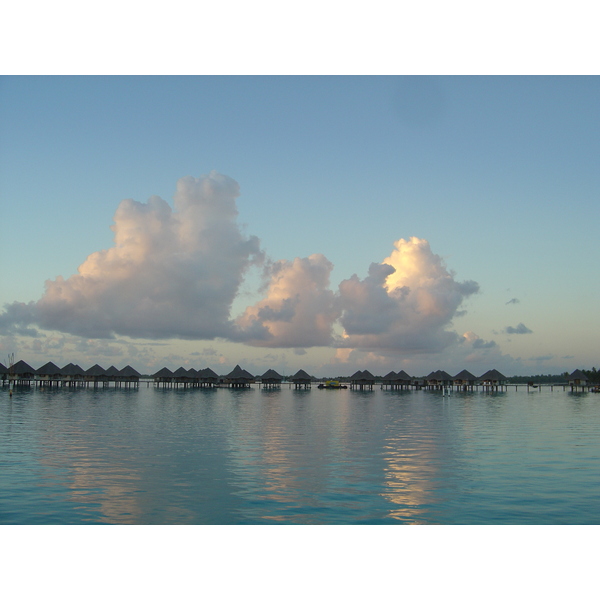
(298,310)
(170,274)
(405,304)
(175,272)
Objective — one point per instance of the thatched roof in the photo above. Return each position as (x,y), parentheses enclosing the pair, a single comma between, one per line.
(464,375)
(271,374)
(22,368)
(367,376)
(404,376)
(181,373)
(3,369)
(239,373)
(208,373)
(577,374)
(128,371)
(163,373)
(112,371)
(95,371)
(492,375)
(356,376)
(391,376)
(301,375)
(48,369)
(438,376)
(72,370)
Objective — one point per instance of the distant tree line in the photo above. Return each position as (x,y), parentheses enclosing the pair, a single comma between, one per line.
(593,375)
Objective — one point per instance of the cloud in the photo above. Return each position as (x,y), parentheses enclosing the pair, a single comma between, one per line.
(175,273)
(298,310)
(519,329)
(513,301)
(405,304)
(170,274)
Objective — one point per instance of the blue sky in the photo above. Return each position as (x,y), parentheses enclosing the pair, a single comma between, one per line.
(498,174)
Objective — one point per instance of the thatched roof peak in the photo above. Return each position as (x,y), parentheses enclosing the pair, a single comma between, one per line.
(72,370)
(271,374)
(464,375)
(492,375)
(95,371)
(48,369)
(368,376)
(128,371)
(164,372)
(207,373)
(239,373)
(22,368)
(578,374)
(301,375)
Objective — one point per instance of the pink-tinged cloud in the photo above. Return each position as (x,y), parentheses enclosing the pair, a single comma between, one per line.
(405,304)
(174,273)
(170,274)
(298,310)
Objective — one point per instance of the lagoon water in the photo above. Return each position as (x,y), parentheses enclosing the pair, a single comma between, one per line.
(258,456)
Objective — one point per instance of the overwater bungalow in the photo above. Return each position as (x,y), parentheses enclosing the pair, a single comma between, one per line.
(238,378)
(301,379)
(112,373)
(578,379)
(72,375)
(271,378)
(493,380)
(21,373)
(193,376)
(128,377)
(391,380)
(96,375)
(404,380)
(464,380)
(3,374)
(163,377)
(438,379)
(49,375)
(396,381)
(208,378)
(181,377)
(362,379)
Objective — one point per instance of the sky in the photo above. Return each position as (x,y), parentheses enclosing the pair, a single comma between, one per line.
(329,223)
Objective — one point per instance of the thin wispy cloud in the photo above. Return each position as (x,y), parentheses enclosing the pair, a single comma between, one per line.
(513,301)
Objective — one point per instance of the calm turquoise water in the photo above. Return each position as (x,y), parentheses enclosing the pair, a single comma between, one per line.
(307,457)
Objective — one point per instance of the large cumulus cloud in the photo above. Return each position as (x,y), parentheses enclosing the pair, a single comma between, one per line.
(174,273)
(299,308)
(171,273)
(405,303)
